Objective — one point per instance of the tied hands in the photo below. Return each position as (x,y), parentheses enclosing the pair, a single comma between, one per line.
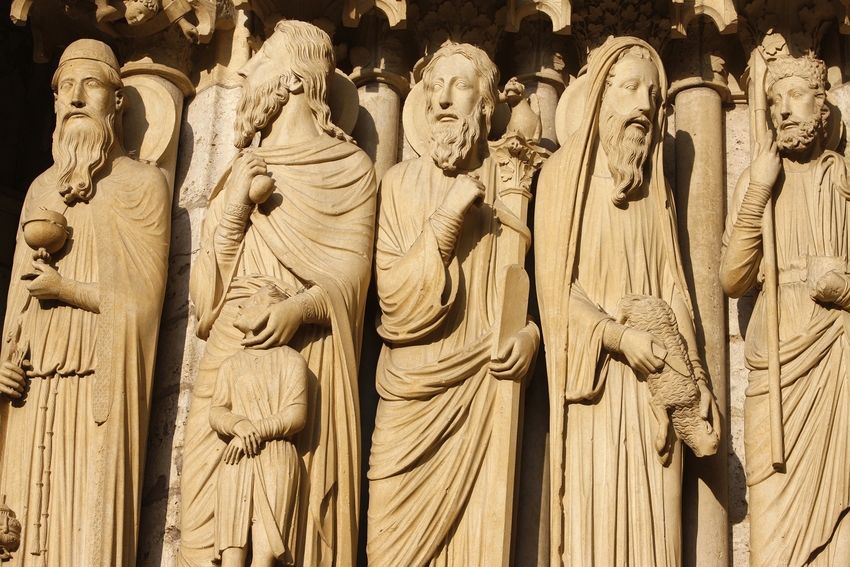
(247,441)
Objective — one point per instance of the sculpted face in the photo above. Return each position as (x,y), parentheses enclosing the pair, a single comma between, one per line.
(454,110)
(796,111)
(84,90)
(263,92)
(633,91)
(627,115)
(265,65)
(455,90)
(86,103)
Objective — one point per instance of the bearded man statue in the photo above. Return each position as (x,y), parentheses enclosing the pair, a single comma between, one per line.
(81,331)
(296,213)
(798,516)
(430,470)
(605,229)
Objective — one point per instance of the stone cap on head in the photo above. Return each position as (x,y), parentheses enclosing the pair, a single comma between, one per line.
(90,49)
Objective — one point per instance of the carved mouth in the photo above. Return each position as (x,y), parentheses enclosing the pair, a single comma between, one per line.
(640,121)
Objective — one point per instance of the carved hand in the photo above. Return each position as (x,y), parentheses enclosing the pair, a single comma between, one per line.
(830,288)
(765,169)
(276,327)
(707,402)
(515,357)
(636,346)
(12,379)
(48,283)
(250,437)
(245,168)
(464,192)
(234,451)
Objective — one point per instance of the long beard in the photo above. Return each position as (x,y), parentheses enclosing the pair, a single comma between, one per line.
(81,145)
(626,147)
(799,138)
(256,109)
(451,142)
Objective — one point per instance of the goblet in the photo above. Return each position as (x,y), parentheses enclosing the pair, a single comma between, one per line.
(46,233)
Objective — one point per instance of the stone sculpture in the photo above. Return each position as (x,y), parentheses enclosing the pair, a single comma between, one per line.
(260,402)
(313,233)
(798,512)
(438,260)
(675,394)
(81,331)
(605,228)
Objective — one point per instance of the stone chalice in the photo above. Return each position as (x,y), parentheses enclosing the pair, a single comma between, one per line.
(46,233)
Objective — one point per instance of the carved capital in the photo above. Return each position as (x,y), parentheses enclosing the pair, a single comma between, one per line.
(167,54)
(698,61)
(479,23)
(802,24)
(559,11)
(379,56)
(539,53)
(599,19)
(394,10)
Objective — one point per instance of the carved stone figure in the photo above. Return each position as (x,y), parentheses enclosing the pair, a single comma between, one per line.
(314,233)
(81,331)
(674,388)
(604,229)
(798,513)
(438,260)
(260,402)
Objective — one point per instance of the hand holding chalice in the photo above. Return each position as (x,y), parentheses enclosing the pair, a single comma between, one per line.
(46,233)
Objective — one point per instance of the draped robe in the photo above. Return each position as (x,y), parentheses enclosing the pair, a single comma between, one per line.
(262,386)
(798,511)
(88,401)
(316,230)
(428,465)
(612,502)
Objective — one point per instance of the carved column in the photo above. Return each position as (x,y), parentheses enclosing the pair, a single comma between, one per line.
(156,85)
(539,63)
(698,90)
(382,83)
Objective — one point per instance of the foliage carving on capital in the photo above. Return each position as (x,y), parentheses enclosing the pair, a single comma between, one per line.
(379,55)
(803,25)
(600,19)
(698,60)
(479,23)
(538,51)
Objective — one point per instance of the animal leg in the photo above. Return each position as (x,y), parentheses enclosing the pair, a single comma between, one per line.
(663,419)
